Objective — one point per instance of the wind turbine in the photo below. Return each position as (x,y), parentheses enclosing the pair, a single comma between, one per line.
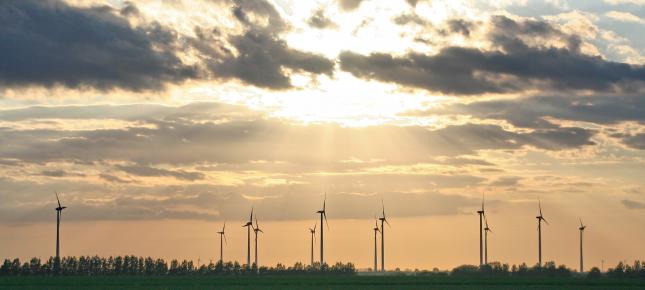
(540,218)
(383,220)
(248,226)
(322,213)
(376,230)
(582,229)
(313,237)
(222,238)
(59,214)
(256,230)
(486,230)
(481,238)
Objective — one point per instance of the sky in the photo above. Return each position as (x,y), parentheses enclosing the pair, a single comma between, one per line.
(159,121)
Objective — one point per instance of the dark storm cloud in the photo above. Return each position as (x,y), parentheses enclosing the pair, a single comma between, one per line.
(319,20)
(532,112)
(262,59)
(245,138)
(513,67)
(51,43)
(147,171)
(258,56)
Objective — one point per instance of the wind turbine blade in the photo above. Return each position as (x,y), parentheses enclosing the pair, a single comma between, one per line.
(482,201)
(324,201)
(545,221)
(256,222)
(383,207)
(57,200)
(315,227)
(251,218)
(388,223)
(326,222)
(580,222)
(225,241)
(224,228)
(540,205)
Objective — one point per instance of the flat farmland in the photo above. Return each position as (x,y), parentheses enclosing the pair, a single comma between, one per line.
(313,282)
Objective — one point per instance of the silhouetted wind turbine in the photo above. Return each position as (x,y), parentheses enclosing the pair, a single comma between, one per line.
(256,230)
(322,213)
(481,238)
(582,229)
(313,237)
(376,230)
(383,220)
(222,239)
(59,215)
(486,230)
(540,218)
(248,226)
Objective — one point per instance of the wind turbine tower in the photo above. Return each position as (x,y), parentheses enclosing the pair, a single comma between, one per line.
(486,230)
(582,229)
(248,226)
(540,218)
(323,214)
(59,214)
(256,230)
(222,240)
(383,220)
(313,237)
(481,238)
(376,230)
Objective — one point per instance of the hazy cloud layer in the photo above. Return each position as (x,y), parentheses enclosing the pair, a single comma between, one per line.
(533,112)
(238,140)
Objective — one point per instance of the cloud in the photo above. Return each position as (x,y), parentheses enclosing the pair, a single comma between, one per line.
(636,141)
(50,43)
(349,5)
(113,179)
(139,170)
(59,173)
(513,67)
(228,206)
(534,112)
(624,17)
(619,2)
(631,204)
(238,139)
(262,60)
(319,20)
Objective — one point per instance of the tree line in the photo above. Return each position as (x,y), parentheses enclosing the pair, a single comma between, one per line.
(132,265)
(549,269)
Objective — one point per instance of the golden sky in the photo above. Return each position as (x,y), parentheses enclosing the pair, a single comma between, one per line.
(159,120)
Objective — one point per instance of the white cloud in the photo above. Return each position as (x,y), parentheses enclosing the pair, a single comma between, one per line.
(618,2)
(624,17)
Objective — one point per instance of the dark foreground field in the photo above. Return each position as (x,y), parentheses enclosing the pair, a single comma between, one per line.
(312,282)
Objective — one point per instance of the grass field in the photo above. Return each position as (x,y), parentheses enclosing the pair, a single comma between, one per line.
(314,282)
